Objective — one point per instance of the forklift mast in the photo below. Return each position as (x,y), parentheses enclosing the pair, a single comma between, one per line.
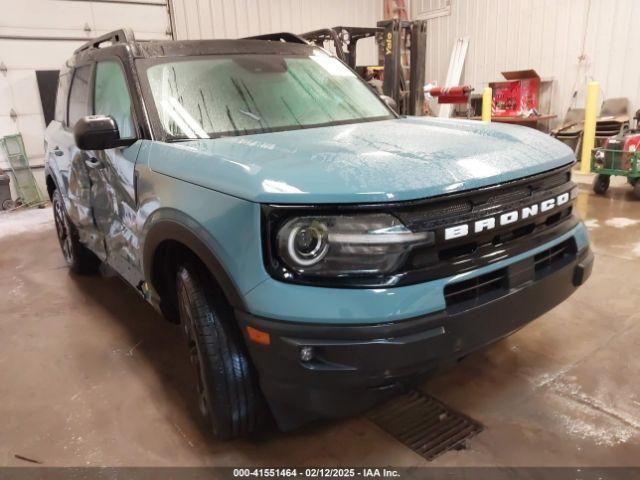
(400,36)
(395,38)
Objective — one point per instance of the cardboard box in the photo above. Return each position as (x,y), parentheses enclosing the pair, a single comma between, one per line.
(517,96)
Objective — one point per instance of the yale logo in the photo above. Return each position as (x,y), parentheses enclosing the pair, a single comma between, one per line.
(506,218)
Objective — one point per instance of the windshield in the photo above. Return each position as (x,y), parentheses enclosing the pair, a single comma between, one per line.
(242,94)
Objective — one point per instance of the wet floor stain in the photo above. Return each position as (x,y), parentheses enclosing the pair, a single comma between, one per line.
(621,222)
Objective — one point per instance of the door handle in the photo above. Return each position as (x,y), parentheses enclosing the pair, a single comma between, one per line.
(57,151)
(93,162)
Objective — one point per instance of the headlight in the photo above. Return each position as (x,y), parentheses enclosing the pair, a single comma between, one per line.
(305,243)
(345,245)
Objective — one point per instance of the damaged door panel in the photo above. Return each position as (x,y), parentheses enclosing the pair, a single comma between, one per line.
(112,176)
(81,204)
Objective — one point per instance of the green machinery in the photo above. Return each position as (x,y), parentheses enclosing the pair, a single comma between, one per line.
(607,163)
(620,156)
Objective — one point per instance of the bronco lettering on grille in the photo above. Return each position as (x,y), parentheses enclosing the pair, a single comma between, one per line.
(506,218)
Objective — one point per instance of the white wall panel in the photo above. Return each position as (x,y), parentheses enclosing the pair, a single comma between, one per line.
(6,97)
(546,35)
(37,17)
(147,21)
(23,53)
(198,19)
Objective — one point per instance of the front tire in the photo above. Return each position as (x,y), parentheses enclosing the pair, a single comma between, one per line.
(228,391)
(601,184)
(78,257)
(636,189)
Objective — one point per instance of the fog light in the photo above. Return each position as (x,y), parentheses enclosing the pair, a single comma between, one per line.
(306,354)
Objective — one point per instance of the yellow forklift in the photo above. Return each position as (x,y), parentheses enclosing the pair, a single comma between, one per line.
(402,49)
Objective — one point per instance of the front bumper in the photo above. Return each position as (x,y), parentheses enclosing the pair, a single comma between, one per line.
(356,366)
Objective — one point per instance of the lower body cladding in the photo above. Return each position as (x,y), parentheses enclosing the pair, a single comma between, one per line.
(309,371)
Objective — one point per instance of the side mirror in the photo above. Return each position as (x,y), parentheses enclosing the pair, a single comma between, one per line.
(99,132)
(391,103)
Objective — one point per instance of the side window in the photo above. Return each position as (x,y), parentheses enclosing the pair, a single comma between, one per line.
(79,97)
(61,99)
(112,96)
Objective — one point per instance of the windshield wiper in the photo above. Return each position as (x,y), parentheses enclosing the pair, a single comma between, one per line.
(250,115)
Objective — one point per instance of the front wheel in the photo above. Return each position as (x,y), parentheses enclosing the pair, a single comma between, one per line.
(601,184)
(78,257)
(228,391)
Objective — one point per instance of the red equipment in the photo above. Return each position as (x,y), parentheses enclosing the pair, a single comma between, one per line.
(451,94)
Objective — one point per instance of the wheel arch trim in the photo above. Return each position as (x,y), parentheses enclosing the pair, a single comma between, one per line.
(172,225)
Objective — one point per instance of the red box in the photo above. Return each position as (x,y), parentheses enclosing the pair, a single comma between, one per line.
(517,96)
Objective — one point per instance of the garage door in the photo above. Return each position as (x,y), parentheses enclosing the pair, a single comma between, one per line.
(42,34)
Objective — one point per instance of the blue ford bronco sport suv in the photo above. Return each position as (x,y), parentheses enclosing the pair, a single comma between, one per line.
(321,252)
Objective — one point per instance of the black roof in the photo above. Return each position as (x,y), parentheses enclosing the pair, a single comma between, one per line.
(273,43)
(177,48)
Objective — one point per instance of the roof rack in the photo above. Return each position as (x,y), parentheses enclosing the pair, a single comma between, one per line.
(286,37)
(123,35)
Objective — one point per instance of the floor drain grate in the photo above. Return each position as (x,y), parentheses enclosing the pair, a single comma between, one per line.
(424,424)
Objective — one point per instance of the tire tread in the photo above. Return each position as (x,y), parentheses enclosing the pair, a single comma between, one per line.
(238,403)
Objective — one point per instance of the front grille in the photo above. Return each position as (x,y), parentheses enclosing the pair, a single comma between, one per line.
(449,257)
(556,180)
(508,197)
(478,290)
(445,259)
(424,215)
(415,215)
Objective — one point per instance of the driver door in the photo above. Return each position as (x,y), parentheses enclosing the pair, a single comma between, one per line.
(112,173)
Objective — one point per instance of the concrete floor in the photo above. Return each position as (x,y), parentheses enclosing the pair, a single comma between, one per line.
(89,375)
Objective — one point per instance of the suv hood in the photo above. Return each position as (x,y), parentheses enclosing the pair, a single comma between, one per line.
(382,161)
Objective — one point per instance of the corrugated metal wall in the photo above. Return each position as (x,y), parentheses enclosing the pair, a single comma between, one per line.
(195,19)
(546,35)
